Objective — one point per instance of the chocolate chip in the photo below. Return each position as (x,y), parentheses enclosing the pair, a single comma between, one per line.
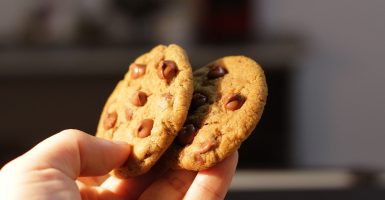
(137,70)
(145,127)
(139,98)
(167,70)
(187,134)
(198,99)
(110,120)
(234,101)
(129,114)
(216,72)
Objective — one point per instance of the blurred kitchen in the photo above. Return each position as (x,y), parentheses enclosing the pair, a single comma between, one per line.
(322,133)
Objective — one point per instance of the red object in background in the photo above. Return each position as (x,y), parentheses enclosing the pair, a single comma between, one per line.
(224,21)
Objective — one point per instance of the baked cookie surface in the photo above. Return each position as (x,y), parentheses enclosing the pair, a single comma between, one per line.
(228,101)
(148,107)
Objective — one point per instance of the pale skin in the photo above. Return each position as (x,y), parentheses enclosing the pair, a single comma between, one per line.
(73,165)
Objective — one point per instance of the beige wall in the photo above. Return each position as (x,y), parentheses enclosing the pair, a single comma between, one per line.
(339,95)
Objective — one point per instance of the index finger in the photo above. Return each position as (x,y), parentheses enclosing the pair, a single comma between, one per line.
(214,182)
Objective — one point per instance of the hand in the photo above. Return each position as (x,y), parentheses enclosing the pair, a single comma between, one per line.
(73,165)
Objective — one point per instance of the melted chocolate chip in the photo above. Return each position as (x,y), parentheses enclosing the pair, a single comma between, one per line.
(167,70)
(137,70)
(110,120)
(187,134)
(216,72)
(234,101)
(139,98)
(195,121)
(144,128)
(198,99)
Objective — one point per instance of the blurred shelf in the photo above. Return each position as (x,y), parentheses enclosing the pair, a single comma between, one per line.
(263,180)
(321,194)
(112,60)
(315,184)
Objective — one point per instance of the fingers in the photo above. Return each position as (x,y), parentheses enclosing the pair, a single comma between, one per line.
(96,193)
(172,185)
(75,154)
(213,183)
(132,188)
(93,180)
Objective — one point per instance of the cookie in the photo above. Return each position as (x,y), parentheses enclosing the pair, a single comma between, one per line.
(229,97)
(148,107)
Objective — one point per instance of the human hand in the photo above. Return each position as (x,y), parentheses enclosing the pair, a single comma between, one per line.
(73,165)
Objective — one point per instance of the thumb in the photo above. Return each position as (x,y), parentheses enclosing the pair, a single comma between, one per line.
(76,153)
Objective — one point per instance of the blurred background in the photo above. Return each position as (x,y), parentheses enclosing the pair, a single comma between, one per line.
(322,132)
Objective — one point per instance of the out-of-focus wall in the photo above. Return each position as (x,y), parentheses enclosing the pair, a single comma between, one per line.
(339,97)
(19,16)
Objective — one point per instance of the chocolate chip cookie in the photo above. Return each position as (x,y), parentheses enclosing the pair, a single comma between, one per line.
(149,106)
(228,101)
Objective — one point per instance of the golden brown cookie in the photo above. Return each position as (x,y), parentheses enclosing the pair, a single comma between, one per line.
(228,101)
(149,107)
